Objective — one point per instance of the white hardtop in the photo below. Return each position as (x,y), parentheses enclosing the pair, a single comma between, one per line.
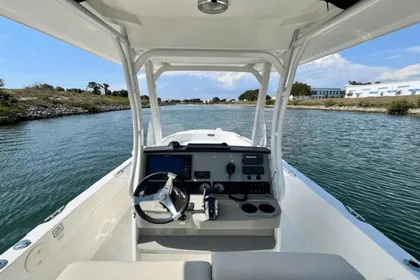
(247,25)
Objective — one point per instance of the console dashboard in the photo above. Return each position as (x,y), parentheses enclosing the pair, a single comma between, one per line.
(221,168)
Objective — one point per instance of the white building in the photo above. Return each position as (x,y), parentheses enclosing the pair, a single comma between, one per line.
(388,89)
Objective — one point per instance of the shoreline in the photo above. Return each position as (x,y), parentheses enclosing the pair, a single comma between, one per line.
(411,112)
(355,109)
(26,107)
(20,105)
(34,113)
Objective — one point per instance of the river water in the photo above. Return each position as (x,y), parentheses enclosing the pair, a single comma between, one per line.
(370,162)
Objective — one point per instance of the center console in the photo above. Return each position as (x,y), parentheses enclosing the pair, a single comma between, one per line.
(232,170)
(230,187)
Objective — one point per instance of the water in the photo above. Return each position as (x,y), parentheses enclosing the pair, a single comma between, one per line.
(370,162)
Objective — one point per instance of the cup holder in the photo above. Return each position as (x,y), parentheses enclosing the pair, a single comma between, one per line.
(266,208)
(249,208)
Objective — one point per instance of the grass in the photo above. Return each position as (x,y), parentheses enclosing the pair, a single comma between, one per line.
(9,112)
(329,103)
(369,102)
(400,107)
(9,115)
(91,108)
(14,102)
(48,98)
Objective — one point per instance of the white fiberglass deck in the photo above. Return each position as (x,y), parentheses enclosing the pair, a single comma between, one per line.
(97,226)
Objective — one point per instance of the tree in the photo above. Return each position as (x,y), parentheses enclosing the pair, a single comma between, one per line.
(301,89)
(91,85)
(106,89)
(78,90)
(215,100)
(58,88)
(267,97)
(354,83)
(42,86)
(95,87)
(249,95)
(122,93)
(1,83)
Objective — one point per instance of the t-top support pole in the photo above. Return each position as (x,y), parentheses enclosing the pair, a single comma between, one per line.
(133,89)
(292,60)
(154,102)
(257,139)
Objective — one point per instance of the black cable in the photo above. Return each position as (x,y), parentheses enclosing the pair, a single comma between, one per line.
(272,179)
(245,198)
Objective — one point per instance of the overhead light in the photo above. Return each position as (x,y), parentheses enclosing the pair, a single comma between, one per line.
(213,6)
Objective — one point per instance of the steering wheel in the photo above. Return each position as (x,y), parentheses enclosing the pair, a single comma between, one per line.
(168,196)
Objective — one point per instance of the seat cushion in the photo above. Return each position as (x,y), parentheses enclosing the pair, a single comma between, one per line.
(279,266)
(137,270)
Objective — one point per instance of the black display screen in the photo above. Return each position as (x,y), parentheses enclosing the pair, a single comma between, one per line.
(173,164)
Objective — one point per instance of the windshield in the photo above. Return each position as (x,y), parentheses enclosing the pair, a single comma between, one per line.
(233,118)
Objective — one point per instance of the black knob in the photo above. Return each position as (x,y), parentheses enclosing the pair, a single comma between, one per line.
(258,177)
(249,177)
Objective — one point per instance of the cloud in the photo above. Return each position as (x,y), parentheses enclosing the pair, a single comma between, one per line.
(330,71)
(410,72)
(141,77)
(225,80)
(394,56)
(117,87)
(335,71)
(229,80)
(382,53)
(415,49)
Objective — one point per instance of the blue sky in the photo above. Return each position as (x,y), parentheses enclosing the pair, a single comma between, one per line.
(28,56)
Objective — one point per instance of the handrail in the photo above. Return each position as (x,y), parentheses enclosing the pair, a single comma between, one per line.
(208,53)
(169,67)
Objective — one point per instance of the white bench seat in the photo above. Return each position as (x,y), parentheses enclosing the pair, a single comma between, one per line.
(281,266)
(225,266)
(173,270)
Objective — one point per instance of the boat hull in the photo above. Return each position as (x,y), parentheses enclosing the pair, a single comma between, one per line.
(97,225)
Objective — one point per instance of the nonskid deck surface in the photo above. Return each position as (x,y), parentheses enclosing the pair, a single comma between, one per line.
(175,248)
(206,243)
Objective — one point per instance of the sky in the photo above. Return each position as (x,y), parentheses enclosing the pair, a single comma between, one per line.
(28,56)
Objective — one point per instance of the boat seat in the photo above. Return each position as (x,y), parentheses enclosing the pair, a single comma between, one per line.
(280,266)
(174,270)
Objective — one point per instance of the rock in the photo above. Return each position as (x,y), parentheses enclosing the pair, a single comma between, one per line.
(342,109)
